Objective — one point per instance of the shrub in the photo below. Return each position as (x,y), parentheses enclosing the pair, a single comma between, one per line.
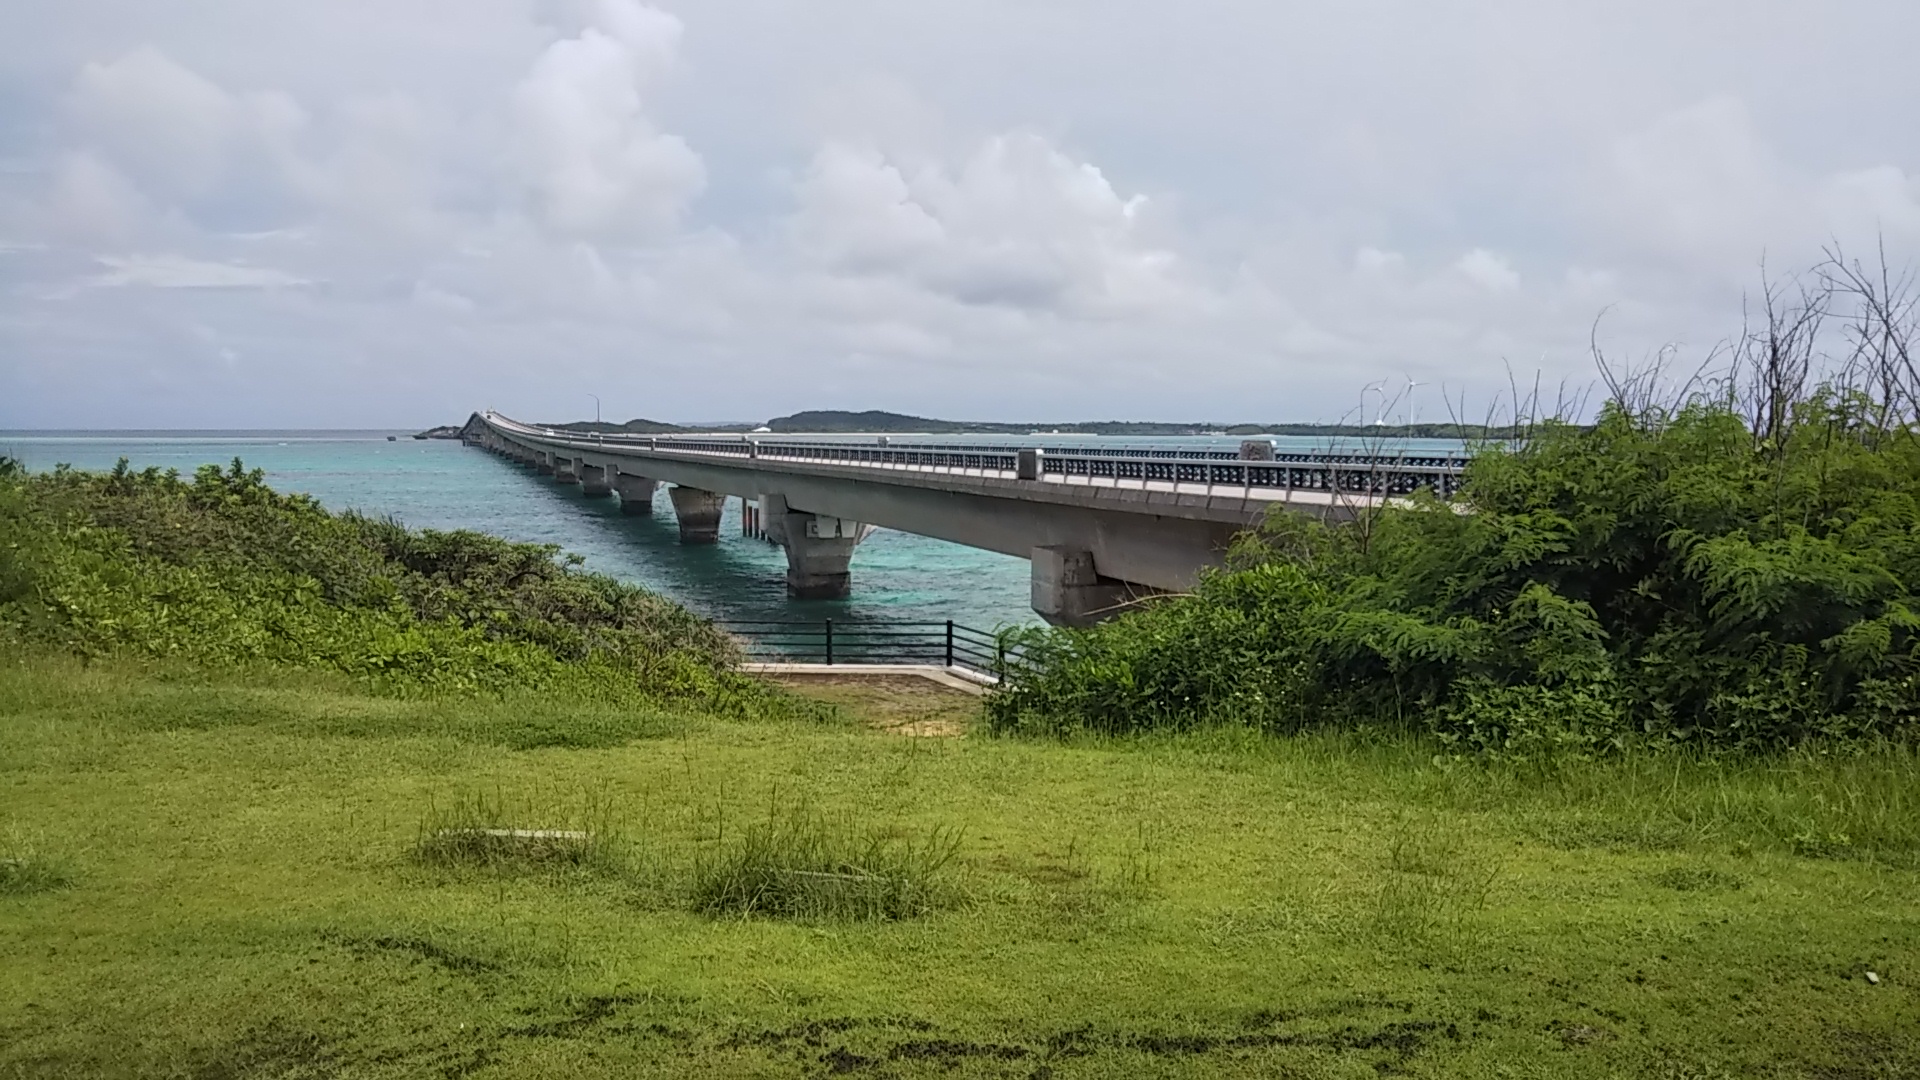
(223,570)
(1626,579)
(1733,567)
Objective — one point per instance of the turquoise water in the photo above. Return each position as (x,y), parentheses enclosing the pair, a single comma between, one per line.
(439,484)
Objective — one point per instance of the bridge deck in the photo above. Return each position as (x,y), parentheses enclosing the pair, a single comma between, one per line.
(1140,518)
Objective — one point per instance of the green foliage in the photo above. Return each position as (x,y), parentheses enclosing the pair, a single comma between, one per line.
(222,570)
(1655,575)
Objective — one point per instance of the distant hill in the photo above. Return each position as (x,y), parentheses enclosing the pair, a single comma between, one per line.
(637,426)
(875,420)
(835,420)
(818,421)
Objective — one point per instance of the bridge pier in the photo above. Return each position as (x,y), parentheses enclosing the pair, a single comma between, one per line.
(698,512)
(1068,591)
(819,549)
(543,462)
(636,492)
(594,480)
(564,470)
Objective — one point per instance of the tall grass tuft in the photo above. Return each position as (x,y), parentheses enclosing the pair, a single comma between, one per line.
(1436,881)
(25,870)
(796,864)
(484,831)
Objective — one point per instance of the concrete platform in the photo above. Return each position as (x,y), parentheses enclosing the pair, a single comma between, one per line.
(962,679)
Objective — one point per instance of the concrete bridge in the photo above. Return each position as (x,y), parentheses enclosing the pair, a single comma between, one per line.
(1102,527)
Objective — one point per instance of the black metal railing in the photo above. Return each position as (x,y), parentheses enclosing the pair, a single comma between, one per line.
(828,641)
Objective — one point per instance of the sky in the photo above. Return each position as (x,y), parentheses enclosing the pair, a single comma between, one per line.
(373,213)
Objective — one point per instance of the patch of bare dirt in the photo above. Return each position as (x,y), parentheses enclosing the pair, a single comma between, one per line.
(904,705)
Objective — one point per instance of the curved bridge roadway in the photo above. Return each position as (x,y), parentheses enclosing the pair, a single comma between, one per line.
(1102,527)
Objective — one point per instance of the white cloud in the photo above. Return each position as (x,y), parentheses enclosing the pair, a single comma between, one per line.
(174,132)
(1700,184)
(91,201)
(180,272)
(169,123)
(1488,270)
(1374,263)
(1869,201)
(594,162)
(1016,223)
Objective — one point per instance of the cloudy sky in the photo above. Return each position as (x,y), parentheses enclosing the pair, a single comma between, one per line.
(391,212)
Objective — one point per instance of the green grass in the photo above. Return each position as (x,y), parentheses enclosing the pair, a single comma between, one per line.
(271,875)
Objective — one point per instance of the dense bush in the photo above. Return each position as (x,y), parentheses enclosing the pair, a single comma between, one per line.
(221,569)
(1679,574)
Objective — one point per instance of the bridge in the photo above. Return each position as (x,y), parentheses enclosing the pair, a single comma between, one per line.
(1102,526)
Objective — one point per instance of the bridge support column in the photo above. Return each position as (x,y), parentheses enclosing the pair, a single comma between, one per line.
(594,480)
(564,470)
(543,462)
(819,549)
(699,513)
(1068,591)
(636,492)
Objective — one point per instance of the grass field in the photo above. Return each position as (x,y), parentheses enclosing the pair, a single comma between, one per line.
(228,876)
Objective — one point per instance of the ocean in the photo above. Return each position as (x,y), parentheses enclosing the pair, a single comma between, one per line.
(440,484)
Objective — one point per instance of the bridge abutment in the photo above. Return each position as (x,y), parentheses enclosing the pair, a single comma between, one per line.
(1068,591)
(698,512)
(636,492)
(594,480)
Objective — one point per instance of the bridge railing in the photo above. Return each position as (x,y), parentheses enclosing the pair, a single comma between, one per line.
(1360,477)
(828,641)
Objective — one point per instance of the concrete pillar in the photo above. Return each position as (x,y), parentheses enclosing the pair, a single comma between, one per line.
(593,480)
(819,548)
(636,492)
(699,513)
(543,462)
(565,470)
(1068,591)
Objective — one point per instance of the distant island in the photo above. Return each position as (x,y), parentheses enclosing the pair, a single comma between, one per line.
(880,422)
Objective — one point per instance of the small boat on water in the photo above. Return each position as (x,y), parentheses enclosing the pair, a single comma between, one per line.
(393,438)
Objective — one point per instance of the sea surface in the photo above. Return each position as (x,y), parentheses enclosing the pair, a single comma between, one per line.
(441,484)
